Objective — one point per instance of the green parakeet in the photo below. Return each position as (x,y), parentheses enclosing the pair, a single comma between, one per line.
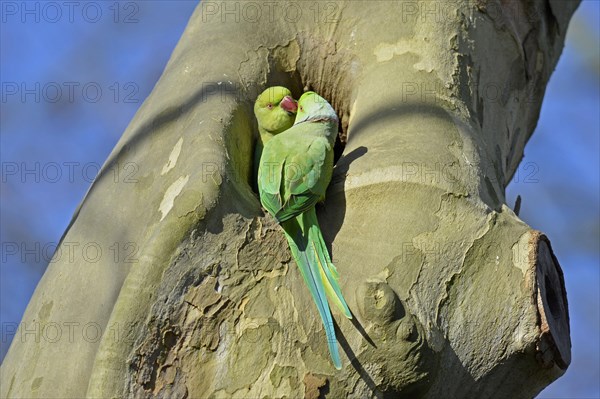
(294,172)
(275,111)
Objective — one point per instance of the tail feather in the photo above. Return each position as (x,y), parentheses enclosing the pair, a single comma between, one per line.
(327,269)
(312,274)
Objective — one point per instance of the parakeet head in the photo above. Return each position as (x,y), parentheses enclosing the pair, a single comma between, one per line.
(275,110)
(314,108)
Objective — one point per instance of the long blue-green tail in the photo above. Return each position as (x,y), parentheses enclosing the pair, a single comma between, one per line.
(311,256)
(320,255)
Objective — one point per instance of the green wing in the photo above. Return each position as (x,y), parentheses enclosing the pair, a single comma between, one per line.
(294,171)
(270,174)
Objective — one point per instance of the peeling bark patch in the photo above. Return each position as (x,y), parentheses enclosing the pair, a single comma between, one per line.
(489,258)
(270,264)
(205,325)
(286,57)
(172,192)
(281,58)
(152,353)
(173,156)
(386,51)
(278,374)
(204,336)
(156,364)
(315,386)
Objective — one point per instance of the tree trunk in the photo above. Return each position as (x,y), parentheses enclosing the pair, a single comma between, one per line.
(195,293)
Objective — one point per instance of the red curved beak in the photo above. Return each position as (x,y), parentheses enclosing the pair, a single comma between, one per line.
(289,104)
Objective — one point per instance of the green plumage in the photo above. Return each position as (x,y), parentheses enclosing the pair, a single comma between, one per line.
(294,172)
(275,110)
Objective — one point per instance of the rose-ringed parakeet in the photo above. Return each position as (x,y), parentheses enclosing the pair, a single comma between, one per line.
(275,111)
(294,172)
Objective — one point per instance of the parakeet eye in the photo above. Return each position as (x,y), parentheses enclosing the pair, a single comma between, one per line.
(270,106)
(302,108)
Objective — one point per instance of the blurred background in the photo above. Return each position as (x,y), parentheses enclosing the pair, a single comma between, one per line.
(74,73)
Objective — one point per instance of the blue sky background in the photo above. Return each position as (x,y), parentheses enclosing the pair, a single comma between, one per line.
(97,62)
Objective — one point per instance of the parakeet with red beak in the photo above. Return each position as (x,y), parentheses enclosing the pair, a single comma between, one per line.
(275,111)
(295,170)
